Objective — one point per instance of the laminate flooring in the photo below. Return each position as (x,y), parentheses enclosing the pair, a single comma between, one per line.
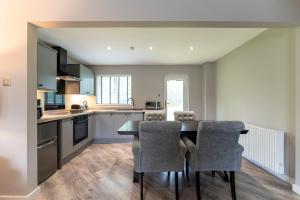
(104,172)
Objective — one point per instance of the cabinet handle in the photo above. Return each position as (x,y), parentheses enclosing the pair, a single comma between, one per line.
(48,143)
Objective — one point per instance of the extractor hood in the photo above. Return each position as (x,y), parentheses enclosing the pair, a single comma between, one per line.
(64,71)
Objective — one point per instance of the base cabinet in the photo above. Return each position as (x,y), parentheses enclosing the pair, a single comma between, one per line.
(66,138)
(104,126)
(67,147)
(107,125)
(91,127)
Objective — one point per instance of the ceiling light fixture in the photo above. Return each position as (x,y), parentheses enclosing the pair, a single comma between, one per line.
(108,48)
(150,48)
(191,48)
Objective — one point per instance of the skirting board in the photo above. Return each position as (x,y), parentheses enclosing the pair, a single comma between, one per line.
(280,176)
(296,188)
(30,196)
(111,140)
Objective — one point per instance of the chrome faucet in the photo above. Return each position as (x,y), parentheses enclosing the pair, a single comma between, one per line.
(132,100)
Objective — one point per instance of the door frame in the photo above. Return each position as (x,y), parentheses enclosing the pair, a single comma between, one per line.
(185,78)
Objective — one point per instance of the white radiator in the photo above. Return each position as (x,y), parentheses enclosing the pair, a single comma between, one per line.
(264,147)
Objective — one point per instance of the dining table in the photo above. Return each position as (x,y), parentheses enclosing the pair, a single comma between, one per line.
(188,129)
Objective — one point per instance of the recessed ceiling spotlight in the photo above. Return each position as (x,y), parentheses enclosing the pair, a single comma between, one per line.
(131,48)
(191,48)
(150,48)
(108,48)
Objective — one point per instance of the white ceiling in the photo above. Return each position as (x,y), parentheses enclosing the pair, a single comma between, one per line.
(170,45)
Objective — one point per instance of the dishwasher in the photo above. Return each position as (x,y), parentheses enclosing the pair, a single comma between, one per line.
(47,150)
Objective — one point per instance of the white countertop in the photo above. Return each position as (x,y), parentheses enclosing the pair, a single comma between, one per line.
(65,114)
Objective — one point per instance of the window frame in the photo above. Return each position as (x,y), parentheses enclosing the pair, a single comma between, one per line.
(118,93)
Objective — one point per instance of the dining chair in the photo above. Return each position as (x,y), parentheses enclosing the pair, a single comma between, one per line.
(184,115)
(155,115)
(216,149)
(159,149)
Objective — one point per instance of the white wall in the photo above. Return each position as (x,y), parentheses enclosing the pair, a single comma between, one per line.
(255,84)
(296,187)
(17,126)
(209,85)
(148,82)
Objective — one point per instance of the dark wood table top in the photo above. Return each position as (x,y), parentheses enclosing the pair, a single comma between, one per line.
(188,128)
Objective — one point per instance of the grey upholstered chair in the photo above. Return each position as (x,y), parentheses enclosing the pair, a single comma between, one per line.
(216,149)
(159,149)
(155,115)
(184,115)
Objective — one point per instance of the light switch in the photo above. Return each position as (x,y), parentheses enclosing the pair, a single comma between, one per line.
(6,82)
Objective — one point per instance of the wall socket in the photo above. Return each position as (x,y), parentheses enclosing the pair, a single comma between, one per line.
(6,82)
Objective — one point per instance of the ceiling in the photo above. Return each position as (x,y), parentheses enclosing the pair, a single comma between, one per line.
(111,46)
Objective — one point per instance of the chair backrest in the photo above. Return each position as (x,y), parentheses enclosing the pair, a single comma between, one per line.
(217,143)
(159,144)
(184,115)
(155,115)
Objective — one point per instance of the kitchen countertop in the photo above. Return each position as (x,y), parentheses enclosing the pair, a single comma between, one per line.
(65,114)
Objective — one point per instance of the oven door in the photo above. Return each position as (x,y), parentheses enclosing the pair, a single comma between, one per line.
(80,131)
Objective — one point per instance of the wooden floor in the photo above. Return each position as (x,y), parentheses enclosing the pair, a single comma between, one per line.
(105,172)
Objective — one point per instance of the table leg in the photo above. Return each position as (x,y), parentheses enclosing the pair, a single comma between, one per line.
(135,177)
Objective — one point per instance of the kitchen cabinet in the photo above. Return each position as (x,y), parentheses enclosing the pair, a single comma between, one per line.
(67,147)
(104,125)
(87,78)
(91,127)
(107,125)
(66,138)
(47,150)
(46,67)
(119,120)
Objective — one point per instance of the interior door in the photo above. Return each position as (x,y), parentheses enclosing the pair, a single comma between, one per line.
(176,94)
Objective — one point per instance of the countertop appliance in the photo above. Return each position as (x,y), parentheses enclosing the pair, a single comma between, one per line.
(39,109)
(76,108)
(47,150)
(152,105)
(80,128)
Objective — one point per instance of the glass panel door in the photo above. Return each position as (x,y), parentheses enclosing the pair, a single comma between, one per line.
(176,94)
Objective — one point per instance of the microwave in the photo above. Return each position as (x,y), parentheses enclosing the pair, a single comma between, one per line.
(152,105)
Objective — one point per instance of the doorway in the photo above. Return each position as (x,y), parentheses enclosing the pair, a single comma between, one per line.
(176,94)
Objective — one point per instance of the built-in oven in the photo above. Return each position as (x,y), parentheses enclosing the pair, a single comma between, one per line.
(80,128)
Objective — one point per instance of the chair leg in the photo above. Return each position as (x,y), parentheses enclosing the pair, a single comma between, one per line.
(226,178)
(136,177)
(232,184)
(213,173)
(176,186)
(198,185)
(187,169)
(141,185)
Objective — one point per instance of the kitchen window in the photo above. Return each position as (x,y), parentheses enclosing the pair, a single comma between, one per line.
(113,89)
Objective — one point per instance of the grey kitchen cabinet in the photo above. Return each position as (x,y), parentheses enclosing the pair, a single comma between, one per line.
(136,116)
(87,81)
(107,125)
(91,127)
(104,125)
(66,138)
(119,120)
(46,67)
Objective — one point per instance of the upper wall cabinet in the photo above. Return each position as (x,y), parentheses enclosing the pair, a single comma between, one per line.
(87,78)
(46,67)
